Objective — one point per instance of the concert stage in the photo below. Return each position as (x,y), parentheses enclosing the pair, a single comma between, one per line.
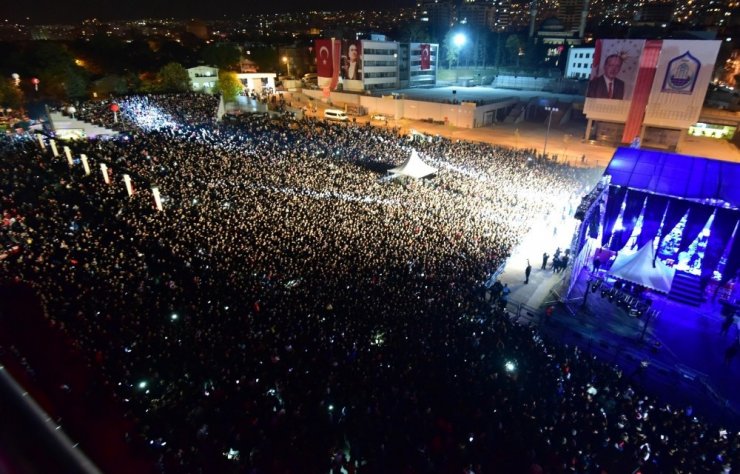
(663,228)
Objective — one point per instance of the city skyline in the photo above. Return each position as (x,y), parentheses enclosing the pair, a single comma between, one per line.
(46,12)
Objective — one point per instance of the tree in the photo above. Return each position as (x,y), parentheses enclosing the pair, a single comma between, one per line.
(452,51)
(174,78)
(11,97)
(416,32)
(229,85)
(111,84)
(75,85)
(221,55)
(266,58)
(514,47)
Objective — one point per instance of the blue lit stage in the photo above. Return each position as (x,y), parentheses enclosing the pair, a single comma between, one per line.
(664,230)
(684,209)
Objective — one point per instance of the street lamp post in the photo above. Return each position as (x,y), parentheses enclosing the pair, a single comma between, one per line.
(459,41)
(550,110)
(286,60)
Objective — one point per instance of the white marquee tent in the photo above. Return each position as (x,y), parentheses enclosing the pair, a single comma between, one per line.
(413,167)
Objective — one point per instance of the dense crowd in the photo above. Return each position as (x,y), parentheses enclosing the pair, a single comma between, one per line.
(291,310)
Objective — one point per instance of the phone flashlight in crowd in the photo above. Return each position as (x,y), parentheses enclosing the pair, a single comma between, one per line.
(232,454)
(331,407)
(510,366)
(142,385)
(174,317)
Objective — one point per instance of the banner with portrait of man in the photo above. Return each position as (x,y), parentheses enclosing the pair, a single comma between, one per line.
(614,70)
(352,65)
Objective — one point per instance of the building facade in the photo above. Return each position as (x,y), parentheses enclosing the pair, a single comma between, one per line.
(203,78)
(380,64)
(414,68)
(375,64)
(579,63)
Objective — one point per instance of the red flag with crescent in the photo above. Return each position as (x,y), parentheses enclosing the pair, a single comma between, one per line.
(324,60)
(426,56)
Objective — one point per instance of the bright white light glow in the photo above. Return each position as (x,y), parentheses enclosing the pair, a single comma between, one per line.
(459,39)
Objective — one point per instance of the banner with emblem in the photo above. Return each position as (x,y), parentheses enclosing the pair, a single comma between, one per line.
(683,62)
(681,74)
(426,55)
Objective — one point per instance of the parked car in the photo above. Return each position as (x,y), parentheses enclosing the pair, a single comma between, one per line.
(379,118)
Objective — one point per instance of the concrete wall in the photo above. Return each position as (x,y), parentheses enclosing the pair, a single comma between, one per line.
(480,112)
(465,115)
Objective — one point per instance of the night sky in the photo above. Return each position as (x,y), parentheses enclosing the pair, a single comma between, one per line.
(72,11)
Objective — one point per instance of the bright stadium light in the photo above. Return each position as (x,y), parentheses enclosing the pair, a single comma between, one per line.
(459,39)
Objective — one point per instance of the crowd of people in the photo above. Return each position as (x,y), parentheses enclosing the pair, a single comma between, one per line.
(291,311)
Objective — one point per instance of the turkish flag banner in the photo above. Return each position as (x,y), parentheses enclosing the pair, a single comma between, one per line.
(426,56)
(324,60)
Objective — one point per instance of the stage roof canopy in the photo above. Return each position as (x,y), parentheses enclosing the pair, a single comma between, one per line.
(671,174)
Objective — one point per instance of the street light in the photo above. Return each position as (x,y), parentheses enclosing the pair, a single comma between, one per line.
(549,121)
(287,65)
(458,41)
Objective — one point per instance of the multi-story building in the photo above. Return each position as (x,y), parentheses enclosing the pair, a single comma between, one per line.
(570,13)
(579,63)
(413,69)
(203,78)
(438,14)
(499,18)
(474,13)
(374,64)
(656,13)
(380,64)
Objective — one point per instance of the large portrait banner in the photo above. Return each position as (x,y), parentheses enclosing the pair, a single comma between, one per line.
(614,70)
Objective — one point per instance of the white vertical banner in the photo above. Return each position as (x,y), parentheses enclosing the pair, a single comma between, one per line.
(54,149)
(157,199)
(129,187)
(682,78)
(85,164)
(68,152)
(41,141)
(104,170)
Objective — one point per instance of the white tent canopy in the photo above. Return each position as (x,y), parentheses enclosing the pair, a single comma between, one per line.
(413,167)
(638,268)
